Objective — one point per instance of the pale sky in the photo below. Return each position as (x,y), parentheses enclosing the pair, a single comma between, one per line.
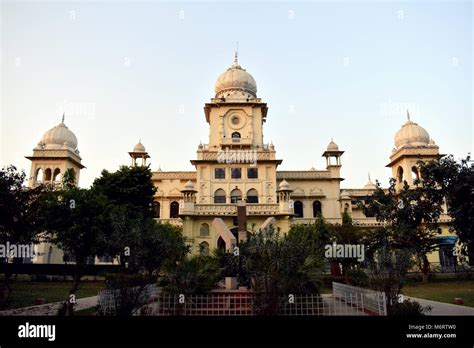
(129,70)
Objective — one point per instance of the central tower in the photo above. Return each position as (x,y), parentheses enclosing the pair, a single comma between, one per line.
(236,164)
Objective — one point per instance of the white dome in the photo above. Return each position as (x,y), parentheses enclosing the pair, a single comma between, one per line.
(345,195)
(411,134)
(59,137)
(236,82)
(189,185)
(139,147)
(332,146)
(284,185)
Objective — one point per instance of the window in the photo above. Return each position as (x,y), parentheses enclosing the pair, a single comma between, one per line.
(156,210)
(57,175)
(204,230)
(298,206)
(204,249)
(219,196)
(236,135)
(235,196)
(415,175)
(236,173)
(47,175)
(219,173)
(252,173)
(317,209)
(174,210)
(400,174)
(39,175)
(252,196)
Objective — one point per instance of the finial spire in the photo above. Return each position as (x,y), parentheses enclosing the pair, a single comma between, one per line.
(62,120)
(408,115)
(369,175)
(236,53)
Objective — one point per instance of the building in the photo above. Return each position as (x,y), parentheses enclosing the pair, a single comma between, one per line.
(237,166)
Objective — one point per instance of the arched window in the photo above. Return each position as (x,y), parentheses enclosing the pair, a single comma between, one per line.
(252,196)
(47,175)
(204,249)
(236,135)
(219,196)
(174,210)
(235,195)
(317,209)
(57,175)
(204,230)
(400,174)
(346,207)
(39,175)
(415,174)
(298,207)
(156,210)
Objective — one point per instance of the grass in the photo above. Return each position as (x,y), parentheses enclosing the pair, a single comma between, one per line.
(24,293)
(86,312)
(443,290)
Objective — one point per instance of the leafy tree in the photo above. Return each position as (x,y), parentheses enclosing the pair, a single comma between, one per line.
(454,181)
(411,215)
(278,267)
(347,233)
(74,219)
(17,222)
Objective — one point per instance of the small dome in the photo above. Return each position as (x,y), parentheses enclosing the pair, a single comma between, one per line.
(370,185)
(59,137)
(189,185)
(411,134)
(284,185)
(139,147)
(236,82)
(332,146)
(345,195)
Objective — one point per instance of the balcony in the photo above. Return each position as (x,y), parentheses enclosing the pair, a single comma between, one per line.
(231,209)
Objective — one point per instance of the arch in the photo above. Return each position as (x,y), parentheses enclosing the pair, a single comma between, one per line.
(252,196)
(400,174)
(204,249)
(346,207)
(221,244)
(219,196)
(317,209)
(39,175)
(236,135)
(298,207)
(204,230)
(156,210)
(174,210)
(415,173)
(57,175)
(48,174)
(235,195)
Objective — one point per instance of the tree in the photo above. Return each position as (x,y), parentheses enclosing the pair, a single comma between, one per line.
(411,215)
(454,181)
(129,192)
(347,233)
(17,222)
(75,219)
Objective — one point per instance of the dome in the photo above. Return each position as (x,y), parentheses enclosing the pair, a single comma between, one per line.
(345,195)
(189,185)
(139,147)
(284,185)
(332,146)
(59,137)
(237,82)
(411,134)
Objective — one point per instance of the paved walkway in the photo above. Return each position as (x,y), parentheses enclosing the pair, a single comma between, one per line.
(51,308)
(440,308)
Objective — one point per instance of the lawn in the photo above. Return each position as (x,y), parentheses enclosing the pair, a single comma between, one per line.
(24,293)
(443,291)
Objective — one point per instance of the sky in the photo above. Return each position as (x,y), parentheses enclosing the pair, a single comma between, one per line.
(124,71)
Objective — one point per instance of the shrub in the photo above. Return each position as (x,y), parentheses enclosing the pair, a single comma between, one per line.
(410,308)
